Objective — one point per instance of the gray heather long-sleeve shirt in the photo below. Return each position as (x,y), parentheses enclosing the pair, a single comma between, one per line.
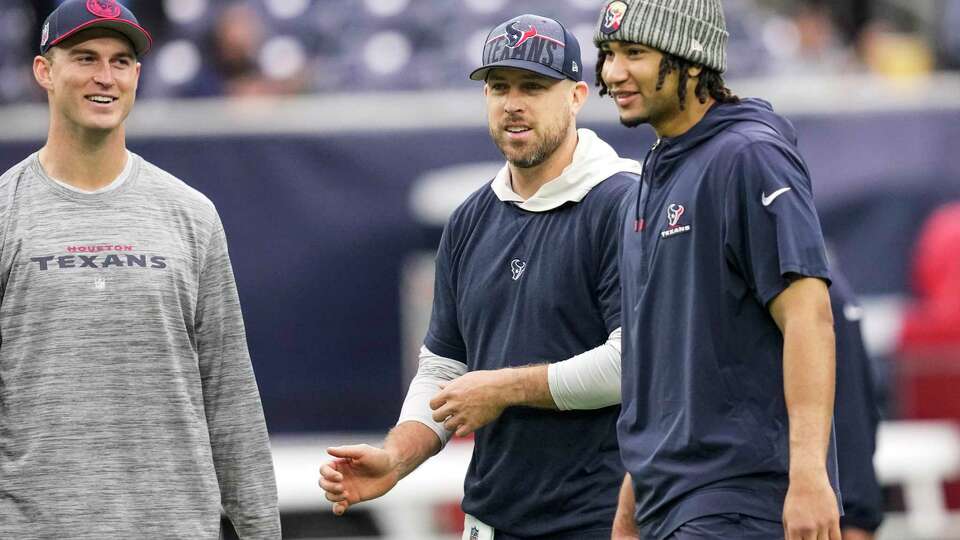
(128,405)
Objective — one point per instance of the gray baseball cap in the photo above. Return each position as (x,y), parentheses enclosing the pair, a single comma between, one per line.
(534,43)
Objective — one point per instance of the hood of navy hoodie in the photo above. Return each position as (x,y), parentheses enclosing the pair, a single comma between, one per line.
(721,117)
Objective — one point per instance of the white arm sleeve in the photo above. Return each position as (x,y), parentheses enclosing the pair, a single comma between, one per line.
(432,371)
(589,380)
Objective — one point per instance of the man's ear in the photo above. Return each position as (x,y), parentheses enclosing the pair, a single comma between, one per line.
(694,71)
(580,92)
(42,68)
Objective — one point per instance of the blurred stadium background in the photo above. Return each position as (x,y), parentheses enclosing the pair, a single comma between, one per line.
(335,136)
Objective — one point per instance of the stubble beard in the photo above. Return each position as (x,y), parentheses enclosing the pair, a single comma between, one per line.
(552,139)
(655,114)
(634,122)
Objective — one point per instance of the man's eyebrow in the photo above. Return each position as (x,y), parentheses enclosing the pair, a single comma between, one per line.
(526,77)
(78,51)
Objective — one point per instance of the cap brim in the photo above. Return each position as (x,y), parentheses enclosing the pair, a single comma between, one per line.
(480,74)
(137,35)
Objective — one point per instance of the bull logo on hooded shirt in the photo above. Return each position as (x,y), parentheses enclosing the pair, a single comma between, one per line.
(516,37)
(613,17)
(674,211)
(517,267)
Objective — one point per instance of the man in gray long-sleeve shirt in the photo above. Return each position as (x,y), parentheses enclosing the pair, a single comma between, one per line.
(128,405)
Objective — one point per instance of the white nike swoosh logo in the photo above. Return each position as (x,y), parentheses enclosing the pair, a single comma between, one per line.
(767,200)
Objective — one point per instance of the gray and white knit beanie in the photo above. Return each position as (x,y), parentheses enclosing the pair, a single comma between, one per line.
(691,29)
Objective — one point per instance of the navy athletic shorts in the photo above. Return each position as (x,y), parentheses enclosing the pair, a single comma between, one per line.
(728,527)
(595,534)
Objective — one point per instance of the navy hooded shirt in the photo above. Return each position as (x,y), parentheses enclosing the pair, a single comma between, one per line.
(722,219)
(856,413)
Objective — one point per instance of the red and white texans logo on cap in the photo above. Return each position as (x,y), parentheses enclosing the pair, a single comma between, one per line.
(107,9)
(516,38)
(613,16)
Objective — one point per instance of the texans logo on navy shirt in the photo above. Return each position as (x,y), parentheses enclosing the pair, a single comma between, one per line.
(516,37)
(517,267)
(674,211)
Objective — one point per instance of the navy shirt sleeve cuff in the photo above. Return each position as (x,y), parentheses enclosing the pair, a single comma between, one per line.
(767,293)
(441,349)
(864,520)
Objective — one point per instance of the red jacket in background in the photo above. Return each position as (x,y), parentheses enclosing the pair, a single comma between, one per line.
(934,319)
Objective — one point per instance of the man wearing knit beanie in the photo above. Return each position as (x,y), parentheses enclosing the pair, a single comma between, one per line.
(728,343)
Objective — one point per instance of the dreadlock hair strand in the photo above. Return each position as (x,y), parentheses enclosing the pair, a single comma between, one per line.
(598,71)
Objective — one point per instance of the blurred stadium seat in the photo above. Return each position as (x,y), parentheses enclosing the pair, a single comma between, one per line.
(312,46)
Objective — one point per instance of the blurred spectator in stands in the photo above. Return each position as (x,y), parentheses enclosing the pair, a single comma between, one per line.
(833,37)
(807,41)
(948,36)
(889,50)
(236,66)
(934,319)
(19,42)
(851,17)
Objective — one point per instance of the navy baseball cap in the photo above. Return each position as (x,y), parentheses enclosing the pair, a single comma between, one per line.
(74,16)
(534,43)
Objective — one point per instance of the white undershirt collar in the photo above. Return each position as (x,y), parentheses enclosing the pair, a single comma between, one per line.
(116,183)
(593,162)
